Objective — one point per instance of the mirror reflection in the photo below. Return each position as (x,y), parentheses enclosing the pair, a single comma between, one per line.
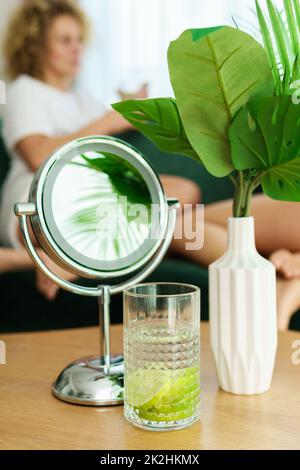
(102,206)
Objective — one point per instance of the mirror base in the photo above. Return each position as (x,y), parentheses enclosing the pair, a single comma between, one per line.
(84,382)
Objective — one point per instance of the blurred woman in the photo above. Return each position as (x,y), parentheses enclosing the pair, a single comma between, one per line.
(45,107)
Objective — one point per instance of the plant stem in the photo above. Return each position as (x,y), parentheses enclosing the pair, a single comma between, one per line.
(243,195)
(233,180)
(239,195)
(247,201)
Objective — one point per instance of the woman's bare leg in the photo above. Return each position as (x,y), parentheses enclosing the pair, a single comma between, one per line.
(183,189)
(277,226)
(215,242)
(13,260)
(214,231)
(277,223)
(286,263)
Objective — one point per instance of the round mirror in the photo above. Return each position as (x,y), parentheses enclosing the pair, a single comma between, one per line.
(100,208)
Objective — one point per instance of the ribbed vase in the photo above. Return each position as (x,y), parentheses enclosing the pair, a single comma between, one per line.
(243,321)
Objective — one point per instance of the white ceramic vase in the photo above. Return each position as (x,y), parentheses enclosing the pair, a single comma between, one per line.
(243,320)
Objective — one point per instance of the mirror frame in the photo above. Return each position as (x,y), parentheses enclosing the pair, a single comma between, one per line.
(43,184)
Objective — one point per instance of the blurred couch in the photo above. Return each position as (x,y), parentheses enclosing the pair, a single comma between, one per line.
(22,308)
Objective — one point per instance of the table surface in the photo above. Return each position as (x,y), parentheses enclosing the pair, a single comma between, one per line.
(32,418)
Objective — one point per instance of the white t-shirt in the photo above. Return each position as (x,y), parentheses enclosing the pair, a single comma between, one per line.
(35,108)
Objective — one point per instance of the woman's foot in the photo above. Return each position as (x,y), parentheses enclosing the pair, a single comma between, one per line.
(288,301)
(287,264)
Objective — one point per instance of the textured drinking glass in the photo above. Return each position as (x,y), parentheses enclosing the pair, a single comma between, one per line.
(162,356)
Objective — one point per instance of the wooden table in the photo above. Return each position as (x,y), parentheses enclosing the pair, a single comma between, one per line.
(31,418)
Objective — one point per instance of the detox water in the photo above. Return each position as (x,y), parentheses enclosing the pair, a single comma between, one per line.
(162,374)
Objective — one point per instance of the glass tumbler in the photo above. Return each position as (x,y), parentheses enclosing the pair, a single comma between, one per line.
(162,356)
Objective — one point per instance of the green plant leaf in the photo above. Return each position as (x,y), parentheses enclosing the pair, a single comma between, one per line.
(212,79)
(159,120)
(292,26)
(124,178)
(200,33)
(286,82)
(296,6)
(280,35)
(296,72)
(268,44)
(265,135)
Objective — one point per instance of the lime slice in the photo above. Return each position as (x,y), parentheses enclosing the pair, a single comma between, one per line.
(185,413)
(181,386)
(178,409)
(175,406)
(145,385)
(156,389)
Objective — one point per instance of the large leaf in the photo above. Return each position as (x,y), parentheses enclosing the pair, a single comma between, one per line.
(265,135)
(212,78)
(160,121)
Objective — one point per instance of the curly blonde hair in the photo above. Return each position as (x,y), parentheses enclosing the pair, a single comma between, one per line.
(26,37)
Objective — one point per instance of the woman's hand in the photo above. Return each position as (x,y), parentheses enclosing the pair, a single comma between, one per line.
(140,94)
(110,124)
